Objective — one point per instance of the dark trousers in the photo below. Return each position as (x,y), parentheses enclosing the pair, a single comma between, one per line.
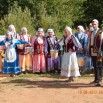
(97,69)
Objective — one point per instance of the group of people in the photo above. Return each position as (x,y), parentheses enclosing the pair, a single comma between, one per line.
(45,53)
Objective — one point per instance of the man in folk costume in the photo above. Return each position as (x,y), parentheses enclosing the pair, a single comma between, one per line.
(53,63)
(11,65)
(38,43)
(25,58)
(69,67)
(95,48)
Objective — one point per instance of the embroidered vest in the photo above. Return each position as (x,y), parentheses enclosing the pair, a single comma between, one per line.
(51,45)
(69,45)
(22,51)
(38,47)
(97,41)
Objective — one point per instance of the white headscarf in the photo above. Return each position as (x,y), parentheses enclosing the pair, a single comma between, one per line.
(8,33)
(69,29)
(81,28)
(12,27)
(23,29)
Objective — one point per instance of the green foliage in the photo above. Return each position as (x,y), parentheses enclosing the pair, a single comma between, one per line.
(18,18)
(93,9)
(54,14)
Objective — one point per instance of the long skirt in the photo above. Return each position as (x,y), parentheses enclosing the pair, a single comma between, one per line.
(53,63)
(25,62)
(69,65)
(11,67)
(39,64)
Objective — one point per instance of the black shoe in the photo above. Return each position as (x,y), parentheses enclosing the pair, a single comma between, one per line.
(98,85)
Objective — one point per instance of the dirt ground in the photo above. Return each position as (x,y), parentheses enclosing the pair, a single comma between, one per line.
(48,89)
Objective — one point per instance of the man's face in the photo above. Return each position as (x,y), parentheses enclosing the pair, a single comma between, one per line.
(95,25)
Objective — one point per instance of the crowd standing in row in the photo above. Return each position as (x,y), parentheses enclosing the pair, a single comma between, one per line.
(45,53)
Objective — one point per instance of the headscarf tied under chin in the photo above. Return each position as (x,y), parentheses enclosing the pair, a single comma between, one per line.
(12,27)
(81,28)
(23,29)
(69,29)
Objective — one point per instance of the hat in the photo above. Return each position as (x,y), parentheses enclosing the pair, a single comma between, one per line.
(50,30)
(95,20)
(40,29)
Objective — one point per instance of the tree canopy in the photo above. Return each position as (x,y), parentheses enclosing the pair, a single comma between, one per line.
(54,14)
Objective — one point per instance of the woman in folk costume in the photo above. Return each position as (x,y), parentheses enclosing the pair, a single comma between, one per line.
(11,65)
(81,53)
(11,28)
(25,58)
(53,63)
(69,61)
(38,43)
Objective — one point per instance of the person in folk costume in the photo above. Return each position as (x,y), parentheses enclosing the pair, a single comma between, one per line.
(88,59)
(11,65)
(82,53)
(38,43)
(25,58)
(89,30)
(11,28)
(52,44)
(1,56)
(95,48)
(69,61)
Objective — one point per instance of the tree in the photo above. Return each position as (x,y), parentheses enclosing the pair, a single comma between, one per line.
(93,9)
(18,18)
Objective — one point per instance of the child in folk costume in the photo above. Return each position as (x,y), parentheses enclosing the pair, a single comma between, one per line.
(53,63)
(25,58)
(11,65)
(69,61)
(38,43)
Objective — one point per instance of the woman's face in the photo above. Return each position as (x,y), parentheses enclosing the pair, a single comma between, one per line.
(50,34)
(67,32)
(24,32)
(40,33)
(79,30)
(10,29)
